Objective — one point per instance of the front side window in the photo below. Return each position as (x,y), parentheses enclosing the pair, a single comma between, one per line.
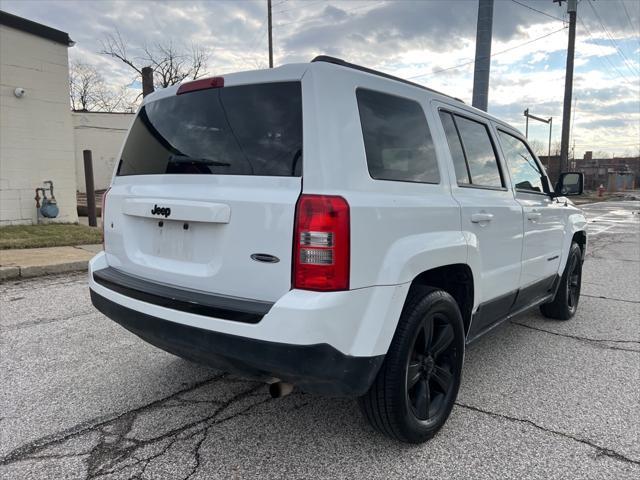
(479,152)
(525,173)
(397,139)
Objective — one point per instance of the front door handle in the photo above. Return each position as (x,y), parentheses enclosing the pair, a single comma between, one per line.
(481,217)
(533,215)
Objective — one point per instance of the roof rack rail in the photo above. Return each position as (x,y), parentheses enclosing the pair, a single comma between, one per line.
(342,63)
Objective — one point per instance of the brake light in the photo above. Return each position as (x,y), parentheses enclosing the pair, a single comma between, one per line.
(321,243)
(102,214)
(201,84)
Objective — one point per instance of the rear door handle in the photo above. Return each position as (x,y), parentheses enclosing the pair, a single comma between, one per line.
(533,215)
(481,217)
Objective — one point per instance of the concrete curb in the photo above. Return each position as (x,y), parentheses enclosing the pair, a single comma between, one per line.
(30,263)
(14,273)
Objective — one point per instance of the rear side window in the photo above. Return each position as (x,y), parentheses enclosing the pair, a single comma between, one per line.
(397,139)
(525,173)
(457,154)
(243,130)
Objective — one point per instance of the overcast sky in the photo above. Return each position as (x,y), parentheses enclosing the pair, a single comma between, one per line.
(424,40)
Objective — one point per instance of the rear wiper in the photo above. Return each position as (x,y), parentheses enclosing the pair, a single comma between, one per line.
(202,161)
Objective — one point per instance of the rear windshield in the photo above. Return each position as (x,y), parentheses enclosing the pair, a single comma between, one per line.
(244,130)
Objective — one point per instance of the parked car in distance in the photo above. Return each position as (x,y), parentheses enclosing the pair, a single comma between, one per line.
(331,227)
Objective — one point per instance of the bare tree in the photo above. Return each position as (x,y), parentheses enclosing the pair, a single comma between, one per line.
(171,64)
(539,148)
(89,93)
(84,84)
(601,154)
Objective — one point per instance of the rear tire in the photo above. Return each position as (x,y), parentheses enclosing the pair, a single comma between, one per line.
(416,387)
(565,303)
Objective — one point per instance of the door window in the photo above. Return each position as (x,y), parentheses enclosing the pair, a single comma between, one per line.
(525,173)
(479,152)
(397,139)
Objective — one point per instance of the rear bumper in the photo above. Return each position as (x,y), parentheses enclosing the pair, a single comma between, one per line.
(317,368)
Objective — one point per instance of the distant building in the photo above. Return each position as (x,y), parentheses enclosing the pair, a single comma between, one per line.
(614,174)
(36,130)
(551,165)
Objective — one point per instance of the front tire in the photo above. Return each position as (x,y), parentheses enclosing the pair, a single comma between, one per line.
(565,304)
(416,387)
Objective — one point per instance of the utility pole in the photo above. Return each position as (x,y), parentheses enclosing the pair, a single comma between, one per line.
(572,7)
(147,81)
(483,55)
(269,27)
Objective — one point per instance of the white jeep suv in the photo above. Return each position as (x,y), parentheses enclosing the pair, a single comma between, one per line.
(334,228)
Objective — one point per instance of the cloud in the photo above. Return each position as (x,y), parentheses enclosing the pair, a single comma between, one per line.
(432,42)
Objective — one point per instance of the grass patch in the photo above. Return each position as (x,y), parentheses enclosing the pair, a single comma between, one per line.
(52,235)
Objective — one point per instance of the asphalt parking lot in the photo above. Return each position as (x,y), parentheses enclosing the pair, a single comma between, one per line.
(83,398)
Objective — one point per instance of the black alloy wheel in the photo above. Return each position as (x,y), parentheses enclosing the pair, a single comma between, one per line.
(565,303)
(417,384)
(573,283)
(430,379)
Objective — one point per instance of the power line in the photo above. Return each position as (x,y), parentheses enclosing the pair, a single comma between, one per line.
(492,55)
(539,11)
(624,57)
(626,12)
(620,74)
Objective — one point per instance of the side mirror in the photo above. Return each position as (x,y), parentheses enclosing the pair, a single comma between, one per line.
(569,184)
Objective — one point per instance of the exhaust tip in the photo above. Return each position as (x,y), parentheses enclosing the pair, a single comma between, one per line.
(280,389)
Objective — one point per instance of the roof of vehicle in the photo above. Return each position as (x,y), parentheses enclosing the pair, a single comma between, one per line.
(342,63)
(460,104)
(293,71)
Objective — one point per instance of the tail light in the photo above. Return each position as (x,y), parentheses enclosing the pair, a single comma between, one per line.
(102,215)
(321,243)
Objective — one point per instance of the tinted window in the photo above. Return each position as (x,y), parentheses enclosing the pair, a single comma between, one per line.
(525,173)
(397,140)
(457,154)
(244,130)
(480,155)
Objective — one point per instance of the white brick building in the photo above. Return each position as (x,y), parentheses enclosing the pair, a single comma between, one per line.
(36,130)
(103,134)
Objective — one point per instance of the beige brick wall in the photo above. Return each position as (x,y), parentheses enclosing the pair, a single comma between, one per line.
(103,134)
(36,133)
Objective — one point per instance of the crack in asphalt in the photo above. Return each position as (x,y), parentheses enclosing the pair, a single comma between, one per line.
(609,298)
(115,451)
(601,451)
(593,341)
(58,438)
(45,321)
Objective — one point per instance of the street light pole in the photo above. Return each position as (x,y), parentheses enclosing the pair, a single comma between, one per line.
(270,28)
(543,120)
(550,128)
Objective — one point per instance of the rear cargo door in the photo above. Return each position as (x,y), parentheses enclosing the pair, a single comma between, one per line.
(205,192)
